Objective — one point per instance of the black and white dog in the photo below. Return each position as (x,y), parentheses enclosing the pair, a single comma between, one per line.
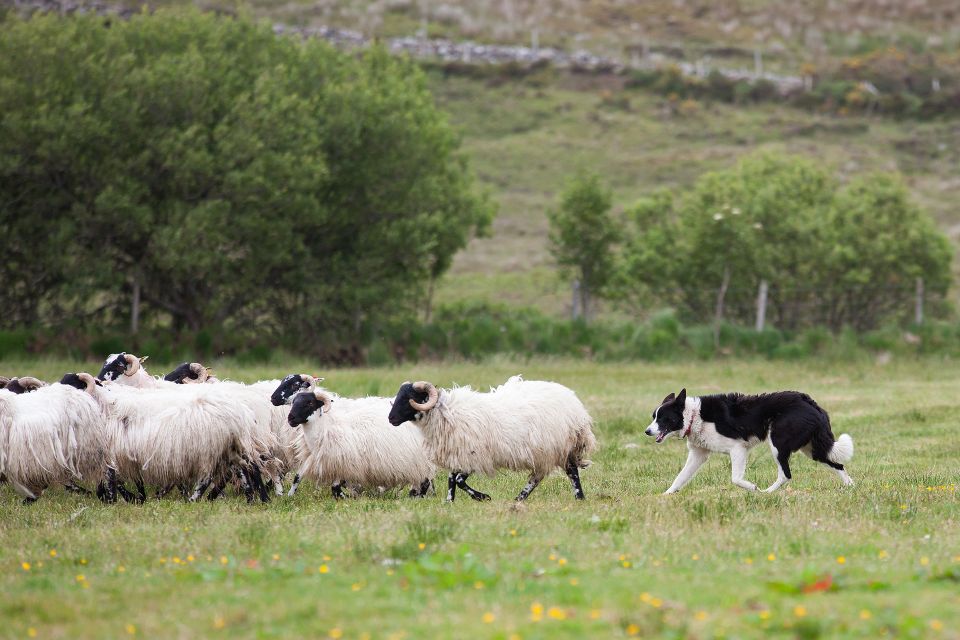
(733,423)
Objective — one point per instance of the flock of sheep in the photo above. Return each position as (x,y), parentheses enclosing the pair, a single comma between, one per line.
(199,435)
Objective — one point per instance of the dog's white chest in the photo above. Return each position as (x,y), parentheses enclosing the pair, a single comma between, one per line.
(706,437)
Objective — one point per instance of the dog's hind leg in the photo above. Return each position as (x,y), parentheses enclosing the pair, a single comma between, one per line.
(695,459)
(783,469)
(738,464)
(821,457)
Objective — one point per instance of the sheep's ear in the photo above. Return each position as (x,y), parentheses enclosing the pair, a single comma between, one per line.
(668,398)
(143,359)
(682,396)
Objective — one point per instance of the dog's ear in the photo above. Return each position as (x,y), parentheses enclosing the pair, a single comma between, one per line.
(682,397)
(667,399)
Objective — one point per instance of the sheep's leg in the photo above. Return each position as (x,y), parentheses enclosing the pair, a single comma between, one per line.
(123,492)
(216,491)
(245,485)
(532,482)
(107,487)
(422,490)
(201,488)
(75,488)
(278,484)
(256,481)
(293,487)
(184,490)
(473,493)
(573,472)
(162,491)
(451,487)
(337,491)
(141,490)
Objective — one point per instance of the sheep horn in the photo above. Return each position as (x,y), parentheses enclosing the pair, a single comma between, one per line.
(89,380)
(4,381)
(432,396)
(133,364)
(202,373)
(325,399)
(30,383)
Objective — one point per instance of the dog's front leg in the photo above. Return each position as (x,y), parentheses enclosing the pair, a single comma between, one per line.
(738,462)
(695,459)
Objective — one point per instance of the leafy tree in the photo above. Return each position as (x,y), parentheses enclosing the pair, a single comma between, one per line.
(226,176)
(582,236)
(834,257)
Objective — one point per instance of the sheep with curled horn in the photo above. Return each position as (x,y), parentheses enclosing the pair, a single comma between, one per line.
(23,384)
(191,373)
(174,436)
(127,369)
(349,442)
(52,436)
(523,425)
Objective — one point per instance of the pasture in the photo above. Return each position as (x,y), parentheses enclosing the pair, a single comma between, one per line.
(814,559)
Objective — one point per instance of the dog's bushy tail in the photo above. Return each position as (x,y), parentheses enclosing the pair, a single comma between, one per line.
(842,450)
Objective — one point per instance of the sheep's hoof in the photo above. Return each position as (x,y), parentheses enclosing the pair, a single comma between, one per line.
(480,497)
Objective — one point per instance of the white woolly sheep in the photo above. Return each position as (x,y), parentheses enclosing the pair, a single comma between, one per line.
(51,436)
(348,441)
(170,437)
(522,425)
(257,395)
(268,455)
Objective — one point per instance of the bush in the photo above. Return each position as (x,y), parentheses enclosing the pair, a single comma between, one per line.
(238,180)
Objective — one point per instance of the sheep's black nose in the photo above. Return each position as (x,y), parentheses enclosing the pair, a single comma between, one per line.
(648,432)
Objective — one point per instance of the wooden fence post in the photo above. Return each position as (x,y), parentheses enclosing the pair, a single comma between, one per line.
(761,305)
(718,317)
(575,302)
(918,303)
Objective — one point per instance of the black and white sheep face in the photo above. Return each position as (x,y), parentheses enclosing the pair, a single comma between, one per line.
(114,367)
(289,387)
(401,411)
(183,371)
(304,406)
(14,386)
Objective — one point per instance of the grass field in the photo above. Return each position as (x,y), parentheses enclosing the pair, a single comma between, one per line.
(814,559)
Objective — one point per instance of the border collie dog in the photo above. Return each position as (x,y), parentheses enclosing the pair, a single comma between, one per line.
(733,423)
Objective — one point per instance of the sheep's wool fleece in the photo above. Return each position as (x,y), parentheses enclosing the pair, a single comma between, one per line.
(51,435)
(355,443)
(171,436)
(521,425)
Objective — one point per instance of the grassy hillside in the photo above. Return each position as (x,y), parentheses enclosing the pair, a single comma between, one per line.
(812,560)
(525,137)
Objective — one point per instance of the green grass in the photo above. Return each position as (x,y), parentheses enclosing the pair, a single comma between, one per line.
(711,561)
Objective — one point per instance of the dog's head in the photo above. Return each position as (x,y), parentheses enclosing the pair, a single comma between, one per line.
(668,417)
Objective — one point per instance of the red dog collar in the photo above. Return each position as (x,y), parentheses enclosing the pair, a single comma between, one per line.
(686,432)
